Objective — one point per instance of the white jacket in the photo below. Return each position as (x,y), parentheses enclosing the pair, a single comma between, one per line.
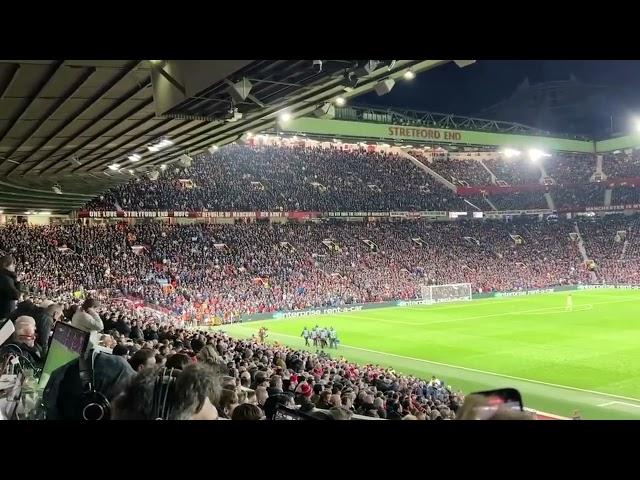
(87,321)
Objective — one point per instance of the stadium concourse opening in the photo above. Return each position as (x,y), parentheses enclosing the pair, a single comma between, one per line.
(269,250)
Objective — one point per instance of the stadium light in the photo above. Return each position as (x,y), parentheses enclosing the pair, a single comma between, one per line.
(285,116)
(511,153)
(163,166)
(156,147)
(249,134)
(409,75)
(134,158)
(114,167)
(44,213)
(340,101)
(535,154)
(1,212)
(637,124)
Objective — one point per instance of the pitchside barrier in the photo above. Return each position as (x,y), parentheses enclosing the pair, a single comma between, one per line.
(412,303)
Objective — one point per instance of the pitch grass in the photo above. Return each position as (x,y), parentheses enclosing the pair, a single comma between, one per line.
(588,359)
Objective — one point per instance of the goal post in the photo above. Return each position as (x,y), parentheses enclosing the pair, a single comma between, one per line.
(452,292)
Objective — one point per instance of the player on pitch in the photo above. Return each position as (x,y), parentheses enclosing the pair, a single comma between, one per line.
(569,307)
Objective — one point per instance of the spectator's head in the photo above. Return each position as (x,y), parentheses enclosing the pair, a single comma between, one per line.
(208,354)
(120,350)
(143,358)
(178,361)
(197,393)
(90,304)
(55,311)
(25,330)
(228,402)
(275,382)
(196,345)
(7,262)
(247,411)
(148,396)
(261,394)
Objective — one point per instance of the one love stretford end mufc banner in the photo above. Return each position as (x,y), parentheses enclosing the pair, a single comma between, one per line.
(292,215)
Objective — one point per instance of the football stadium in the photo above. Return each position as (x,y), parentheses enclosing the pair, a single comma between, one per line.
(276,240)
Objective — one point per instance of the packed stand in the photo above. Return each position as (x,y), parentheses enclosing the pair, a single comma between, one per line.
(622,165)
(625,195)
(246,178)
(514,171)
(613,243)
(459,171)
(577,198)
(520,201)
(208,271)
(144,367)
(570,169)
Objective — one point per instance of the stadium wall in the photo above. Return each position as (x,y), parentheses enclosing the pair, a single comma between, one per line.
(363,130)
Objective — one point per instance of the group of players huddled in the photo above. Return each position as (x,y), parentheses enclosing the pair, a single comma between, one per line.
(321,337)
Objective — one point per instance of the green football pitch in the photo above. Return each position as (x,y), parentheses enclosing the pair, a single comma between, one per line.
(587,359)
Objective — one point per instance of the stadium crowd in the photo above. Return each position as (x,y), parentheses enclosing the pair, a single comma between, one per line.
(246,268)
(612,243)
(570,169)
(519,201)
(143,356)
(622,164)
(276,178)
(225,271)
(458,171)
(625,195)
(245,178)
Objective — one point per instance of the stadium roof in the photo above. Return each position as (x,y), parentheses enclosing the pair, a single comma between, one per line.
(65,122)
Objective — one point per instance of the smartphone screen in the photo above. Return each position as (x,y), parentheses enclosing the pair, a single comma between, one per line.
(503,397)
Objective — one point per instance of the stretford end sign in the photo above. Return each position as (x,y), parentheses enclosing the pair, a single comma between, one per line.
(385,132)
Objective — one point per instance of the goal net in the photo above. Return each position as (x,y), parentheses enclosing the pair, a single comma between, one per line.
(453,292)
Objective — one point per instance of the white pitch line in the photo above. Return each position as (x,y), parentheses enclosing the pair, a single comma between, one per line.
(476,370)
(618,403)
(535,311)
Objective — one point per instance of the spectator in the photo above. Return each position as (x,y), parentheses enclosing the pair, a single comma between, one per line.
(63,396)
(143,358)
(9,286)
(86,318)
(178,361)
(247,411)
(43,320)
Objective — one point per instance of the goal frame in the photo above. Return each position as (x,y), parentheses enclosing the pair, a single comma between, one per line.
(427,293)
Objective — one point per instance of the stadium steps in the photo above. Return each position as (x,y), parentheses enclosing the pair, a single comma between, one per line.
(493,175)
(543,173)
(607,197)
(439,178)
(624,249)
(583,252)
(550,203)
(490,203)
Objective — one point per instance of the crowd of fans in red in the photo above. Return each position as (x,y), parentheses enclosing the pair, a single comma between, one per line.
(225,271)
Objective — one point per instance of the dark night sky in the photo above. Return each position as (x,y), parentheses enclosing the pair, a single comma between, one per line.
(466,91)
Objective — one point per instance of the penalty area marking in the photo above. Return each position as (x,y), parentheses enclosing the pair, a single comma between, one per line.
(476,370)
(577,308)
(608,404)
